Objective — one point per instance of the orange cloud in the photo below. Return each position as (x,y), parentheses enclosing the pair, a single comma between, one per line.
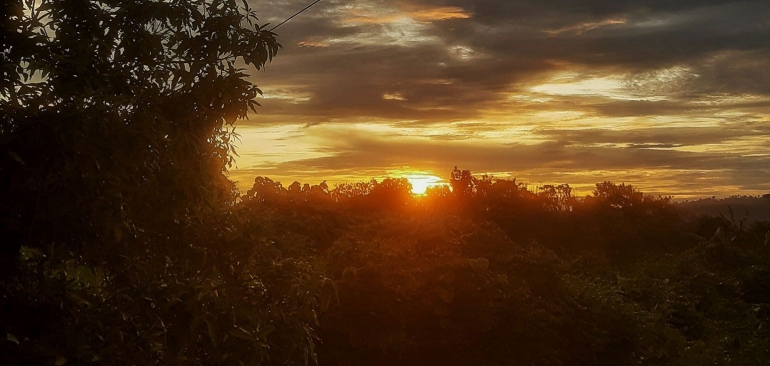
(313,44)
(439,13)
(393,96)
(585,27)
(420,14)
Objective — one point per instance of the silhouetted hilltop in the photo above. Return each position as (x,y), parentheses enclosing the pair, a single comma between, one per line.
(756,208)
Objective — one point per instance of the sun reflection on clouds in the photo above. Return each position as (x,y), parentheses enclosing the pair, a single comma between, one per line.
(286,94)
(400,30)
(658,97)
(313,44)
(571,84)
(393,96)
(581,28)
(385,15)
(398,25)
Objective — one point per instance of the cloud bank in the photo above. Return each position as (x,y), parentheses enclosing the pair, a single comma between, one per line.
(671,96)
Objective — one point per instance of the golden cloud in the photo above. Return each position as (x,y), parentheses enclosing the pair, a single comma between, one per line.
(419,14)
(313,44)
(581,28)
(439,13)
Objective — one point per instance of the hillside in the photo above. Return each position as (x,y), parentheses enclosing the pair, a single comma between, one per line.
(754,208)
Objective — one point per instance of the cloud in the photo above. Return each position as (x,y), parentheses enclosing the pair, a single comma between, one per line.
(586,157)
(581,28)
(437,13)
(545,87)
(385,15)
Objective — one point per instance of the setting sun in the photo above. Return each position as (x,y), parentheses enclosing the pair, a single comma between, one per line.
(421,182)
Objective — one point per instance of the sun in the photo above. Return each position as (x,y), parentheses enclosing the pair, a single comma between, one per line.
(421,182)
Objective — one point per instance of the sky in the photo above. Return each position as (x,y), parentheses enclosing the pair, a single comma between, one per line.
(670,96)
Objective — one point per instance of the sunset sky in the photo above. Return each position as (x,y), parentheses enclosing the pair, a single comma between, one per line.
(671,96)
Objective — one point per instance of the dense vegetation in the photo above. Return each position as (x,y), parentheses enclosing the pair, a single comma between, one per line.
(752,208)
(123,242)
(488,272)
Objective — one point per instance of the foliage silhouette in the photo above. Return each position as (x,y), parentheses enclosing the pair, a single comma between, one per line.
(611,278)
(122,243)
(114,113)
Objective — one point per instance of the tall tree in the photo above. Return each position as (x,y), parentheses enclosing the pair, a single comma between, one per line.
(114,113)
(116,123)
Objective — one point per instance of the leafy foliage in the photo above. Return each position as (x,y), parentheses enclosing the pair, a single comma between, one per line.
(122,243)
(113,113)
(611,278)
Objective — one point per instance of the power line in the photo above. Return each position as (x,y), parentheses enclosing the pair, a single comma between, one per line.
(295,14)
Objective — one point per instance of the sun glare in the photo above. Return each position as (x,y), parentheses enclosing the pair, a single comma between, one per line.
(421,182)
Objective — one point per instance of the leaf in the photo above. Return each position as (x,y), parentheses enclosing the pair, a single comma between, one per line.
(328,291)
(265,331)
(60,360)
(349,275)
(241,333)
(479,264)
(213,332)
(12,338)
(17,158)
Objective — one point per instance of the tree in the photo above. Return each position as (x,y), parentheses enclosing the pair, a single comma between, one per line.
(617,196)
(116,123)
(115,113)
(463,183)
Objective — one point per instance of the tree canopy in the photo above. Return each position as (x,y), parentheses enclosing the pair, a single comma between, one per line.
(121,243)
(115,111)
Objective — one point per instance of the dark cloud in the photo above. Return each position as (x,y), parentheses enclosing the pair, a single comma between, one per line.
(508,45)
(577,74)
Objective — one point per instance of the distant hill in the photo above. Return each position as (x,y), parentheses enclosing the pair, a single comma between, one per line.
(757,207)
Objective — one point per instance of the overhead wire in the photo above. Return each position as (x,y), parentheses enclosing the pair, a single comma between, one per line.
(295,14)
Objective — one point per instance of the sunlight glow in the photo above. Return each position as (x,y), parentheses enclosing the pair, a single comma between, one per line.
(421,182)
(581,28)
(564,85)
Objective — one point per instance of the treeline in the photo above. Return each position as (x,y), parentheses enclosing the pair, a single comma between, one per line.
(482,272)
(750,208)
(616,219)
(488,272)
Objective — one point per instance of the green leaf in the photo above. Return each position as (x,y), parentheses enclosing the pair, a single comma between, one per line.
(12,338)
(60,360)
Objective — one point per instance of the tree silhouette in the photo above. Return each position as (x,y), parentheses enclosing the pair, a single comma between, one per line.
(115,130)
(115,113)
(463,183)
